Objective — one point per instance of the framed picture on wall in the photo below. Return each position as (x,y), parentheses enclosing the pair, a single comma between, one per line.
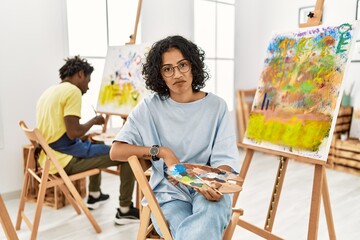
(304,12)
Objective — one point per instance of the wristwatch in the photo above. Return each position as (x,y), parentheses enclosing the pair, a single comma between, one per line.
(154,151)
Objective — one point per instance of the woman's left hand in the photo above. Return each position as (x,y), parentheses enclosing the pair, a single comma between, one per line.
(210,193)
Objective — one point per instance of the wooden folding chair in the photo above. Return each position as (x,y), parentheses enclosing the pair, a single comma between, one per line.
(6,223)
(146,229)
(47,180)
(245,100)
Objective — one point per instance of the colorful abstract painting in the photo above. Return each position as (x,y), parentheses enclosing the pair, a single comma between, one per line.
(122,86)
(300,89)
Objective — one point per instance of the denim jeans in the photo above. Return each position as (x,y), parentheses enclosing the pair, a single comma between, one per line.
(201,219)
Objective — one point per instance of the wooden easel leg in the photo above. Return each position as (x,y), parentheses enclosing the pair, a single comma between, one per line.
(316,201)
(327,208)
(243,171)
(258,231)
(107,117)
(280,176)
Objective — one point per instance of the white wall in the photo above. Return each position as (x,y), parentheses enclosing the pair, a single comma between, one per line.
(32,49)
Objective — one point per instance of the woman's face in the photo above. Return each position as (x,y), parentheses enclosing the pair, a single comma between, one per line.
(176,72)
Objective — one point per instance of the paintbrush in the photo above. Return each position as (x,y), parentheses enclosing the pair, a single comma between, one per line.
(198,177)
(94,110)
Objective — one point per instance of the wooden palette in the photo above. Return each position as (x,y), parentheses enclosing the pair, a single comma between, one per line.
(103,137)
(199,176)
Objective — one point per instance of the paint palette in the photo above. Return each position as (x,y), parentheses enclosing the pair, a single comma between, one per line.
(107,138)
(199,176)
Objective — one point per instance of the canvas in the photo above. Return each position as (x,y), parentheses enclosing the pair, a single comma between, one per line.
(122,86)
(300,89)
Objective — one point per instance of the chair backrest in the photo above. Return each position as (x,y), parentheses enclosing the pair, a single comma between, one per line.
(245,100)
(37,140)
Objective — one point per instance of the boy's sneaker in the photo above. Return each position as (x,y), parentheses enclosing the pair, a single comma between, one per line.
(93,203)
(132,216)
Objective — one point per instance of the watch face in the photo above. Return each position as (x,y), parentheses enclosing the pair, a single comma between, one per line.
(154,151)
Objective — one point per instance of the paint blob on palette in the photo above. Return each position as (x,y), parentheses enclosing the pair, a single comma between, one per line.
(199,176)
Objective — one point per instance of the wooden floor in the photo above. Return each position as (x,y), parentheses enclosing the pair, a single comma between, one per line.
(291,221)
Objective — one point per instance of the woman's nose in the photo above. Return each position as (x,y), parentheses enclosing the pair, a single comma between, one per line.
(177,72)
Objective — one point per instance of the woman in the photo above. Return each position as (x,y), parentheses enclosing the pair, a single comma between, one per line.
(181,123)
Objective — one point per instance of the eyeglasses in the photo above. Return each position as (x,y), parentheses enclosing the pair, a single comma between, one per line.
(169,71)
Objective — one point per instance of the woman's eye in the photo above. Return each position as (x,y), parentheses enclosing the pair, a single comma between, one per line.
(166,69)
(182,65)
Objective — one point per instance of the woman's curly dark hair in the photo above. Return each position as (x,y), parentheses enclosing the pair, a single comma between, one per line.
(75,65)
(151,69)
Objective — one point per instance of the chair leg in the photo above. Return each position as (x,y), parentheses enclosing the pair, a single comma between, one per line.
(40,202)
(229,231)
(139,197)
(79,200)
(144,222)
(22,200)
(6,223)
(70,198)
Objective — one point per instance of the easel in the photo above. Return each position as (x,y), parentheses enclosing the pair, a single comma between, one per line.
(320,185)
(314,18)
(320,189)
(132,41)
(124,116)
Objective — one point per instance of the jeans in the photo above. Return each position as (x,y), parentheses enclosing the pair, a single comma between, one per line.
(201,219)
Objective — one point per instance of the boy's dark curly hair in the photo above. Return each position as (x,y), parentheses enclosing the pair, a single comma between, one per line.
(75,65)
(151,69)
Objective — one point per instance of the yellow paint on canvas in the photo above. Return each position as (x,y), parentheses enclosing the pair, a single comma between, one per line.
(123,94)
(293,132)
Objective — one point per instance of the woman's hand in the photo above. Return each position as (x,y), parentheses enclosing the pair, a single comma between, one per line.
(211,193)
